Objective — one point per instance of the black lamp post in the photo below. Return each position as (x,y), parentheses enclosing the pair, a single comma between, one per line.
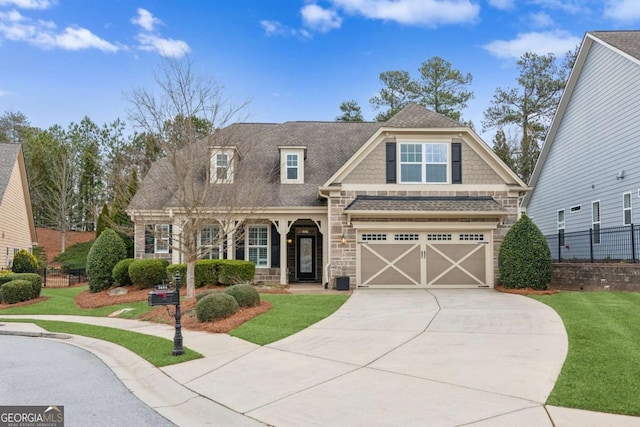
(177,338)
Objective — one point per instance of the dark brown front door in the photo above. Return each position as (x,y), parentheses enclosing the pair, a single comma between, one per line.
(306,258)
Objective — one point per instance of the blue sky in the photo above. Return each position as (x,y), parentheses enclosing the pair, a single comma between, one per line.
(292,59)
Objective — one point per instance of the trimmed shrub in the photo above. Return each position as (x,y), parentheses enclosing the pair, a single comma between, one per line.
(524,260)
(104,254)
(205,293)
(215,306)
(231,272)
(34,279)
(206,272)
(246,295)
(24,262)
(173,268)
(146,273)
(120,272)
(74,258)
(16,291)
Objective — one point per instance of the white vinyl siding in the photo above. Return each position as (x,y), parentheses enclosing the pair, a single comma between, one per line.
(258,245)
(626,209)
(424,163)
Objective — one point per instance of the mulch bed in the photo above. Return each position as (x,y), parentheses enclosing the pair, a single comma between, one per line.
(526,291)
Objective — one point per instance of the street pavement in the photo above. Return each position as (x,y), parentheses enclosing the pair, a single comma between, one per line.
(385,358)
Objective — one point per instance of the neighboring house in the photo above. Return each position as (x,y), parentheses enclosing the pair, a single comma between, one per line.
(588,176)
(17,229)
(418,201)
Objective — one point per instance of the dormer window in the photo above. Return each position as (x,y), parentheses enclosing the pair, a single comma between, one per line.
(292,164)
(222,165)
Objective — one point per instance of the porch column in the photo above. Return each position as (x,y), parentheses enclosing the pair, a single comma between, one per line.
(284,277)
(231,248)
(176,254)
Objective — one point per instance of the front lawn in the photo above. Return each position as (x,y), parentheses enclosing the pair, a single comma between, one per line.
(602,369)
(289,314)
(61,301)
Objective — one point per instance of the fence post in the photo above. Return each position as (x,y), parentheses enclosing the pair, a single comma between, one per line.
(591,245)
(633,244)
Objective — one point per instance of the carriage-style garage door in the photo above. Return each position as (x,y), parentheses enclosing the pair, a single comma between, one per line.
(439,259)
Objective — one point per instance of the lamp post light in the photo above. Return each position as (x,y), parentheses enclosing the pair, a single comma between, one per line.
(177,338)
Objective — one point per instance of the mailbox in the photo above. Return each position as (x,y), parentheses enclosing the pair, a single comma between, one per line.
(162,295)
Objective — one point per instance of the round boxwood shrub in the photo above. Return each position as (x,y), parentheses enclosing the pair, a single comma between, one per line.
(104,254)
(16,291)
(524,260)
(203,294)
(24,262)
(120,272)
(245,294)
(215,306)
(146,273)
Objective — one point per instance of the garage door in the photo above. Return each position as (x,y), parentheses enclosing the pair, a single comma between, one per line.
(442,259)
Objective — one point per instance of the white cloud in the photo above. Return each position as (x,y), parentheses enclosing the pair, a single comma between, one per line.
(3,93)
(44,34)
(151,40)
(556,42)
(165,47)
(570,6)
(28,4)
(145,19)
(430,13)
(319,19)
(276,28)
(540,20)
(623,10)
(502,4)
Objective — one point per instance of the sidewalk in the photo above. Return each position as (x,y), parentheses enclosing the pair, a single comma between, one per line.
(384,358)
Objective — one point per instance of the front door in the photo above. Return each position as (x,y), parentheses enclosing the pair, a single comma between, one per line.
(306,258)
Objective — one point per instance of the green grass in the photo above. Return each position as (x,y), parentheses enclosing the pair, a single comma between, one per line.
(61,301)
(156,350)
(602,369)
(289,314)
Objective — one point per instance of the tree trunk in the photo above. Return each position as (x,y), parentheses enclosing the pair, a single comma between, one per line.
(191,279)
(63,241)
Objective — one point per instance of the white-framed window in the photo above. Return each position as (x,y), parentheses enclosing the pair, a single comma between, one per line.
(424,163)
(210,242)
(292,164)
(595,221)
(258,245)
(162,238)
(561,224)
(222,159)
(626,209)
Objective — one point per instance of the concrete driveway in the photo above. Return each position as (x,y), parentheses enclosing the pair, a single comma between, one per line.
(398,357)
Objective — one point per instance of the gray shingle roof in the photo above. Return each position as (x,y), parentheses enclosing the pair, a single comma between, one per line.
(425,204)
(328,146)
(8,156)
(626,41)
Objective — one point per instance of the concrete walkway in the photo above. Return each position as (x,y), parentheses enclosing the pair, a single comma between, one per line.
(387,357)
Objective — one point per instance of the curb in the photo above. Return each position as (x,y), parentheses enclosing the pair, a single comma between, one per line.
(36,334)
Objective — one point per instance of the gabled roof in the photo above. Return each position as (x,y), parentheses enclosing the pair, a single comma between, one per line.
(625,43)
(416,116)
(8,156)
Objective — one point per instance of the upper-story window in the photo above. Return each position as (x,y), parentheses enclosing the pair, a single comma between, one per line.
(626,209)
(292,164)
(425,163)
(222,165)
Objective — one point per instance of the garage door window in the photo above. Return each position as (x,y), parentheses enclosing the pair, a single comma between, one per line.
(406,236)
(472,236)
(438,236)
(374,236)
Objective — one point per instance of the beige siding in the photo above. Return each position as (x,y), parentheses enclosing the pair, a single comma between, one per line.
(372,169)
(15,229)
(475,170)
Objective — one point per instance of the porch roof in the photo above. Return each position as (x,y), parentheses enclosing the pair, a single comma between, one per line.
(425,204)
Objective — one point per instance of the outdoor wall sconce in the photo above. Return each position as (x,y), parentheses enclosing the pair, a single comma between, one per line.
(289,241)
(343,240)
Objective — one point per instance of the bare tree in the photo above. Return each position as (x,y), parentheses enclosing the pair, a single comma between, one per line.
(205,178)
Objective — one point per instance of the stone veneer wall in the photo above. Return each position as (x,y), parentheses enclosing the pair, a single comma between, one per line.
(267,275)
(343,257)
(596,276)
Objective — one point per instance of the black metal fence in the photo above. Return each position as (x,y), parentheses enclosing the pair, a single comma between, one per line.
(615,244)
(55,277)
